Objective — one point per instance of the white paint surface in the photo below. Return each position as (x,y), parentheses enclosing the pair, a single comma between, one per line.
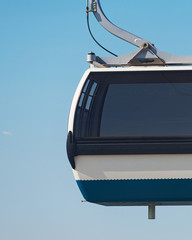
(111,167)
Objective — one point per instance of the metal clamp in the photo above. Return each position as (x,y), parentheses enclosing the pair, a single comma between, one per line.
(92,7)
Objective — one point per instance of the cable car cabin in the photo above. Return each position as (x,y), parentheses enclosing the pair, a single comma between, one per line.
(130,136)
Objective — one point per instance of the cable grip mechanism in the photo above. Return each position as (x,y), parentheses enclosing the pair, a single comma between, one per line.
(92,7)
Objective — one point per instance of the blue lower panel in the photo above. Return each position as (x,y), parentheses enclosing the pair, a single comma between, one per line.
(140,191)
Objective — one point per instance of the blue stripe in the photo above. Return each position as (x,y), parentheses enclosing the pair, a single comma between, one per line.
(137,191)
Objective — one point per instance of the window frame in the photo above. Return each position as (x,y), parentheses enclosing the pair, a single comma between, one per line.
(87,144)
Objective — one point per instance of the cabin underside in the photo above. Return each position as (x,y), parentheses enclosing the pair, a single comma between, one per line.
(135,179)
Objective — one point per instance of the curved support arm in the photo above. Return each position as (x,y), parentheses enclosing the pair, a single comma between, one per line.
(110,27)
(146,55)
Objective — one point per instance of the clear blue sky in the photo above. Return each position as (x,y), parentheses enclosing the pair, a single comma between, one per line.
(43,48)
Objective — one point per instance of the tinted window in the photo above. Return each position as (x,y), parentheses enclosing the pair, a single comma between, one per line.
(148,109)
(83,110)
(136,104)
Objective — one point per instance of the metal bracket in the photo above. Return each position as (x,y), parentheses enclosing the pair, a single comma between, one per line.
(146,55)
(92,7)
(113,29)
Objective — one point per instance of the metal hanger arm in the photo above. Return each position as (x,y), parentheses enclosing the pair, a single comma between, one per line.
(95,7)
(146,55)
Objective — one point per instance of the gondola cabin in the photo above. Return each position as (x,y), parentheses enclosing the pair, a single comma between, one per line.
(130,126)
(130,135)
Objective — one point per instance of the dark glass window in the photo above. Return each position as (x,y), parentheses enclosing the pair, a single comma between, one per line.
(147,109)
(83,110)
(135,104)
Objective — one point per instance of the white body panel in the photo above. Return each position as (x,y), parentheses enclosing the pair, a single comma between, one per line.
(130,167)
